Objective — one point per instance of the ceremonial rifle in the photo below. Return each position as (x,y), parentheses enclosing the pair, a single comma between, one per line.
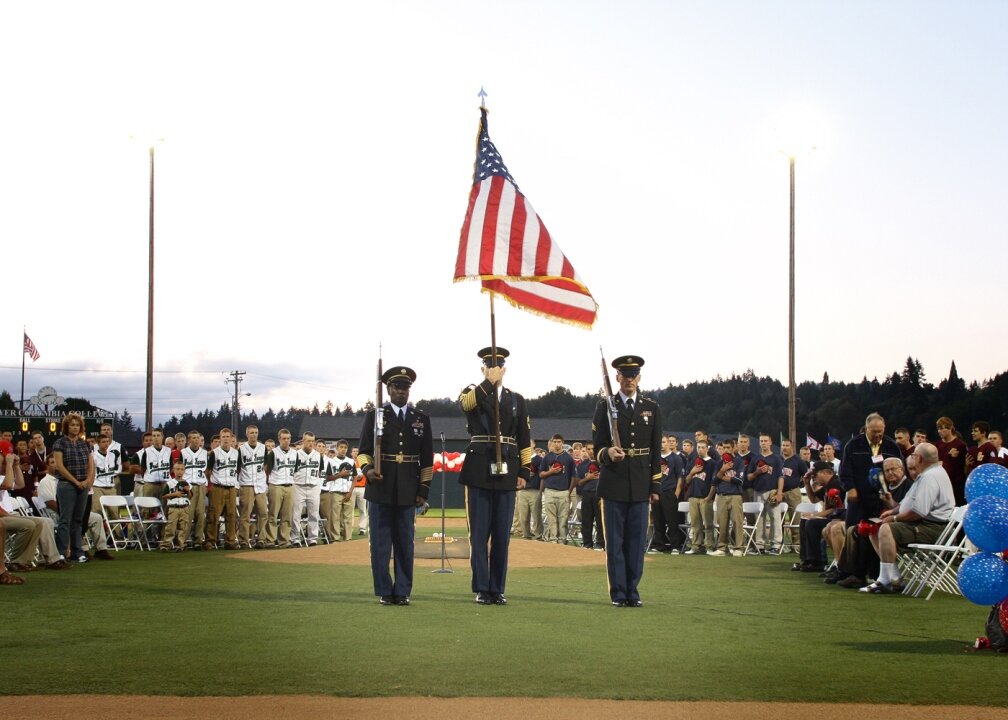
(379,416)
(610,403)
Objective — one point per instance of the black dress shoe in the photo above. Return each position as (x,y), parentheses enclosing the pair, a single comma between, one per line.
(499,599)
(401,600)
(619,603)
(483,598)
(387,600)
(634,603)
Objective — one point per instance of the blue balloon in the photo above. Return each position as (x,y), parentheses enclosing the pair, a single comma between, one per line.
(987,479)
(986,523)
(983,579)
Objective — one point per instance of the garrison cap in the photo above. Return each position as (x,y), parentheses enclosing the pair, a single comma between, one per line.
(486,355)
(628,365)
(399,374)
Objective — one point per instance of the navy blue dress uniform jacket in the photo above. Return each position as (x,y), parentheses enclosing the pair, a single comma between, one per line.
(477,403)
(634,478)
(402,482)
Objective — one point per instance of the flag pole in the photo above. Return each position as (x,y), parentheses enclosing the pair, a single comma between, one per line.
(498,468)
(24,339)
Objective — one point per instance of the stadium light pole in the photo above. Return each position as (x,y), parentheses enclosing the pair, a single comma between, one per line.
(150,140)
(792,413)
(791,390)
(149,407)
(795,141)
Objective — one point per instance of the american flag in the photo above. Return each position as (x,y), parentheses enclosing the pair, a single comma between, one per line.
(29,347)
(505,245)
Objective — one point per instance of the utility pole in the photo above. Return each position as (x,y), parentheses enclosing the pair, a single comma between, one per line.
(235,376)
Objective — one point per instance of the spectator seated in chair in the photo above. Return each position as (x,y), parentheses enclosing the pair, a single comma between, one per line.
(920,518)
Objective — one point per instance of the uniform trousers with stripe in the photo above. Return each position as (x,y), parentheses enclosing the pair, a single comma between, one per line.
(391,533)
(489,513)
(306,500)
(625,525)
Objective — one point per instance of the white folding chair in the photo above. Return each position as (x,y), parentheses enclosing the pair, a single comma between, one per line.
(935,565)
(684,526)
(154,519)
(40,506)
(573,536)
(790,524)
(752,509)
(21,507)
(123,531)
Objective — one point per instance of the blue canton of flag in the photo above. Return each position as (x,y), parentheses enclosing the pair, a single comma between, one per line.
(489,161)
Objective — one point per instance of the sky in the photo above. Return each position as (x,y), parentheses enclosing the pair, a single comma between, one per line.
(313,163)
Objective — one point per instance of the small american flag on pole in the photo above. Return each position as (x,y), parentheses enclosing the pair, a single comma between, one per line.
(505,245)
(29,347)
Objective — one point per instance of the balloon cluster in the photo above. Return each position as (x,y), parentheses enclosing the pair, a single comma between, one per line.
(983,577)
(452,462)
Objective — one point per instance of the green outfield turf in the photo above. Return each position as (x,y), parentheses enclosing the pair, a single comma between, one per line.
(712,629)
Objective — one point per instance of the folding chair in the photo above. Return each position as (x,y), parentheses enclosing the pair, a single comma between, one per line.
(684,526)
(122,530)
(791,521)
(40,506)
(750,509)
(935,565)
(574,526)
(21,507)
(155,518)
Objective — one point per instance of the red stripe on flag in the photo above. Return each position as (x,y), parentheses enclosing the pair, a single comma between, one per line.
(517,236)
(567,270)
(542,305)
(542,249)
(490,221)
(464,237)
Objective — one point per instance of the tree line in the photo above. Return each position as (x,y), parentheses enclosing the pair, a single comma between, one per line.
(739,403)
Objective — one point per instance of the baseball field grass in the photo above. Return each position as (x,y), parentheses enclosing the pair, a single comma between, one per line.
(711,629)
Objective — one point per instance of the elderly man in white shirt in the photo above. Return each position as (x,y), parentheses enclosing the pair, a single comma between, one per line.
(920,518)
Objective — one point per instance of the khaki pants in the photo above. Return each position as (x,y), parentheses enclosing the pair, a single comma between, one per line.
(343,507)
(730,510)
(222,502)
(791,499)
(198,513)
(176,529)
(701,518)
(556,503)
(249,500)
(281,505)
(96,496)
(31,534)
(327,509)
(529,506)
(768,530)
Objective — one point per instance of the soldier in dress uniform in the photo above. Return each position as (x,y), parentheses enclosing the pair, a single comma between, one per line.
(402,486)
(629,477)
(490,490)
